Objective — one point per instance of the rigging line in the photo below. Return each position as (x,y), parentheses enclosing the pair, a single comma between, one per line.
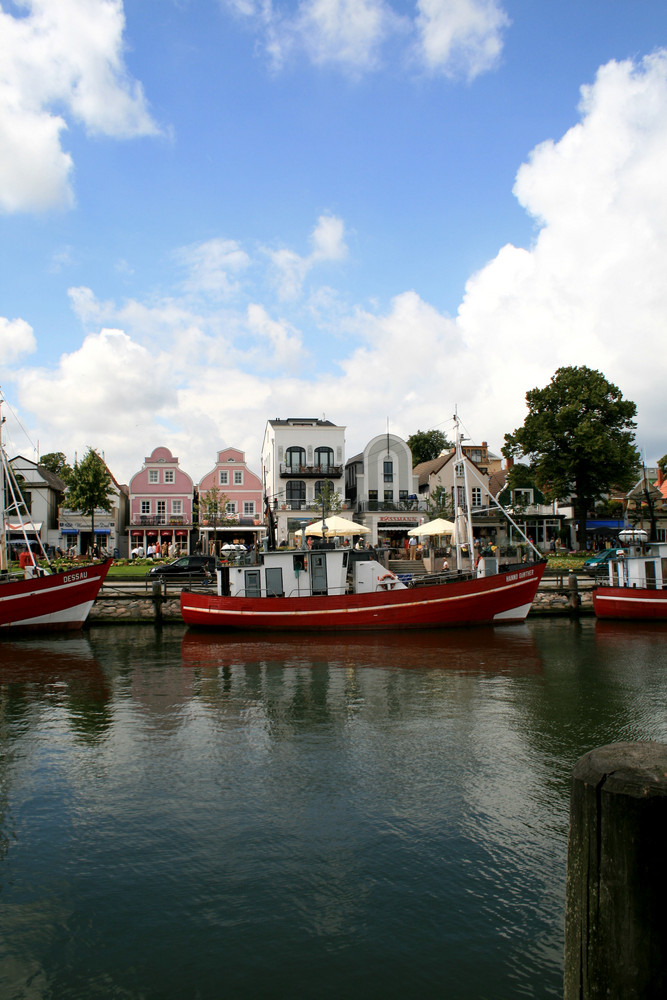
(18,421)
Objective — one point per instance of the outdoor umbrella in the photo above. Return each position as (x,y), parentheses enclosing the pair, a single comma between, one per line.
(336,526)
(438,527)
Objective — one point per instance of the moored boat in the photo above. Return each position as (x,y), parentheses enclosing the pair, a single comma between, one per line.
(40,600)
(636,584)
(339,589)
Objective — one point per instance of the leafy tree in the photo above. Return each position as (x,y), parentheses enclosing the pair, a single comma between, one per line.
(213,508)
(579,439)
(329,500)
(662,464)
(426,445)
(56,461)
(441,504)
(89,487)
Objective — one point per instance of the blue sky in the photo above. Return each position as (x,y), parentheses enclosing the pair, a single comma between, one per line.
(217,212)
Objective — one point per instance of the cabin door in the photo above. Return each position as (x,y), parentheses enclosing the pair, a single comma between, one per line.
(318,573)
(650,575)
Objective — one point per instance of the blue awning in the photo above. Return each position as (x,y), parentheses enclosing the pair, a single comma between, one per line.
(69,531)
(102,531)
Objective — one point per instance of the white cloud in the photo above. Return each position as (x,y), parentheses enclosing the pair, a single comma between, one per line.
(210,266)
(455,37)
(16,339)
(590,291)
(66,55)
(290,269)
(460,37)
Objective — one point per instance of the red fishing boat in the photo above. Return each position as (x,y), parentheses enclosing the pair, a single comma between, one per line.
(40,600)
(343,590)
(334,588)
(635,587)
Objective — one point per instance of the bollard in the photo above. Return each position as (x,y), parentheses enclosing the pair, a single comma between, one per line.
(158,600)
(574,600)
(615,920)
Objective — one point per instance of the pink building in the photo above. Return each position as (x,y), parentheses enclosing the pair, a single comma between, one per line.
(161,503)
(243,490)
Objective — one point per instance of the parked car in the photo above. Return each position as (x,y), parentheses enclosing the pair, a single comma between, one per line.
(599,561)
(186,566)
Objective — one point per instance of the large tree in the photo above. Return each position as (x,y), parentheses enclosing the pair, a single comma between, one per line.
(426,445)
(89,487)
(579,439)
(56,461)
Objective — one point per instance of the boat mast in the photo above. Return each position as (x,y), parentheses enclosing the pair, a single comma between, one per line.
(459,513)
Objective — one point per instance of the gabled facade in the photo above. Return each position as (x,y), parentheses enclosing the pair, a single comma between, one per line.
(301,456)
(43,491)
(231,478)
(161,503)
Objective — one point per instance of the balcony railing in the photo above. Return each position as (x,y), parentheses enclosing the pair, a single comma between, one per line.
(311,471)
(157,519)
(310,505)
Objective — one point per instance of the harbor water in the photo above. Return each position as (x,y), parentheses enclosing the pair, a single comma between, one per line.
(192,815)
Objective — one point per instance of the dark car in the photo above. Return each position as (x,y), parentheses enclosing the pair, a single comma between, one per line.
(599,561)
(186,566)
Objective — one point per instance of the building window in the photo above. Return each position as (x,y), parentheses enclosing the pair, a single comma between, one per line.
(324,458)
(145,506)
(224,477)
(230,507)
(169,475)
(461,498)
(296,494)
(388,496)
(477,496)
(153,476)
(458,472)
(295,458)
(523,497)
(161,509)
(388,470)
(177,506)
(249,508)
(238,477)
(321,484)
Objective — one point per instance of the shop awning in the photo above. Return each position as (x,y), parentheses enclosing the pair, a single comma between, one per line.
(69,531)
(28,526)
(102,531)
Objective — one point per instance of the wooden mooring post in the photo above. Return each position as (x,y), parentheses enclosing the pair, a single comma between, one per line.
(616,907)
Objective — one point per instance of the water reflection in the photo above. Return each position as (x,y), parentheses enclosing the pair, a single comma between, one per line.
(510,650)
(185,813)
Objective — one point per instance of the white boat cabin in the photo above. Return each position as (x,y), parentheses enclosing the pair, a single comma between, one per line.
(640,563)
(307,573)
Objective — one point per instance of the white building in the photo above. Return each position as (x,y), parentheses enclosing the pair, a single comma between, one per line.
(382,488)
(43,491)
(300,456)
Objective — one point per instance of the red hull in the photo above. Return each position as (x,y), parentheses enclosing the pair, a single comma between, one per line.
(506,597)
(57,602)
(634,603)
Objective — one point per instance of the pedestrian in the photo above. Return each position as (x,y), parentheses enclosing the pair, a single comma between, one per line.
(413,547)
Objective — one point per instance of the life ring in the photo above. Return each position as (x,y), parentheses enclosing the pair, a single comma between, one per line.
(387,582)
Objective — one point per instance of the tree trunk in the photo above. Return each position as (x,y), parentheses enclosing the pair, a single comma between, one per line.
(580,510)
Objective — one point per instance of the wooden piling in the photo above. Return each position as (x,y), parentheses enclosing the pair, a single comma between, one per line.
(616,907)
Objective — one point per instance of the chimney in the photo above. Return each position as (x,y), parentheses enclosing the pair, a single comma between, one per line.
(661,478)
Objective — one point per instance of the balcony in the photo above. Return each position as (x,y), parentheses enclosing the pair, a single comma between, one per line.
(312,506)
(310,471)
(154,520)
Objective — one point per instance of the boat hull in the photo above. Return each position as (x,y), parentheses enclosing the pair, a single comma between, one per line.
(58,602)
(503,598)
(630,603)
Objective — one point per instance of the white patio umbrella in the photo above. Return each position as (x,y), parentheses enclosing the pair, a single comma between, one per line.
(335,526)
(437,527)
